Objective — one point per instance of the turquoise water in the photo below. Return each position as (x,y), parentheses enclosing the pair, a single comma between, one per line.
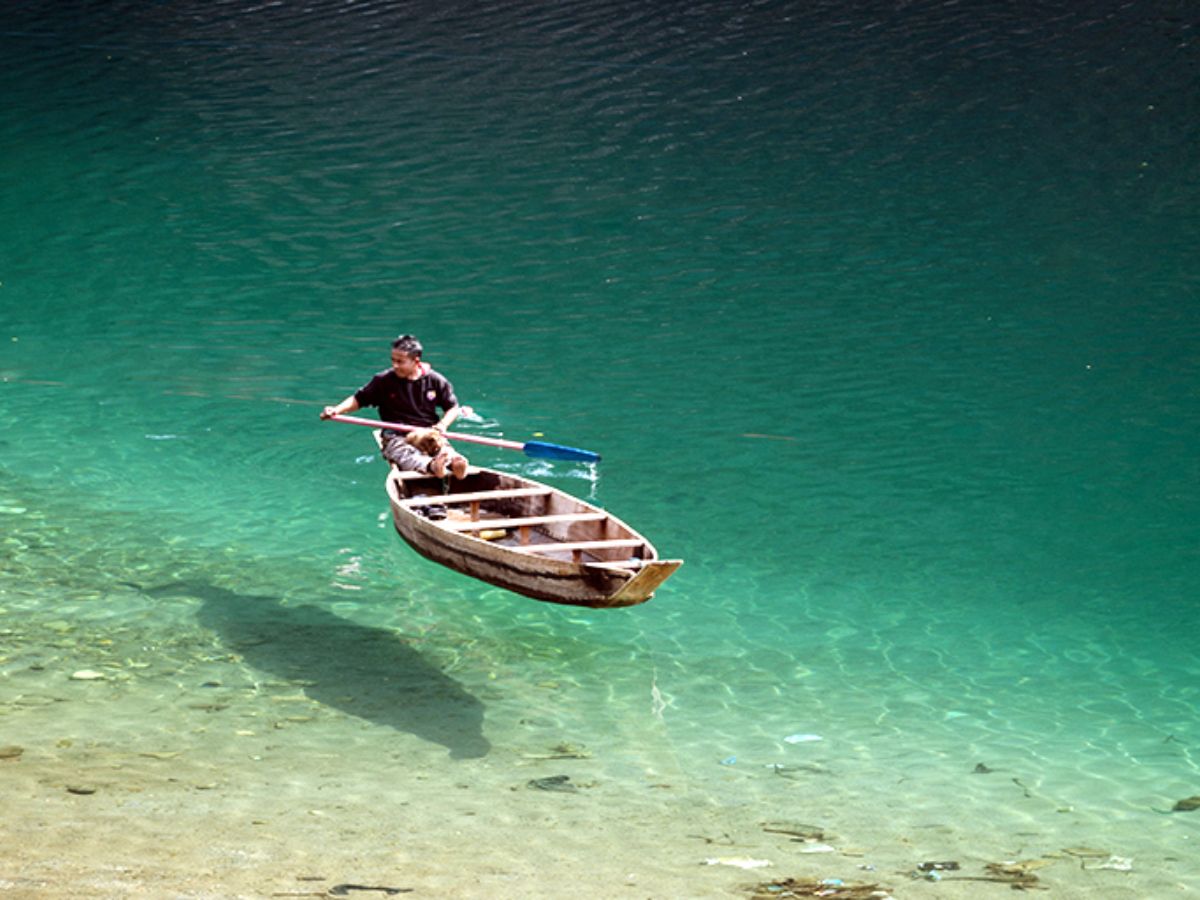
(883,318)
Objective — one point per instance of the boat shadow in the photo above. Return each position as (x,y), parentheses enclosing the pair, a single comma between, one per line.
(370,673)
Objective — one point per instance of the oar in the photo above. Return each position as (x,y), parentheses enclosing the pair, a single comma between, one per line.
(536,449)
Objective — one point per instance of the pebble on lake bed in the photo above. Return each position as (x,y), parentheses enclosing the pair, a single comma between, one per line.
(87,675)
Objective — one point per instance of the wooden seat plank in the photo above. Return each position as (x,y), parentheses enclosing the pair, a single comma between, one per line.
(402,475)
(474,496)
(580,545)
(523,521)
(410,475)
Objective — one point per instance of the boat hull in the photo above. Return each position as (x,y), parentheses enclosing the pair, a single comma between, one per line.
(611,565)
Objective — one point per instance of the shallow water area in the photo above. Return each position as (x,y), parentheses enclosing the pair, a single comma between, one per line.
(380,734)
(882,319)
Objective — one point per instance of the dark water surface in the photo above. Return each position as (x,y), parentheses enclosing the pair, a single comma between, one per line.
(883,316)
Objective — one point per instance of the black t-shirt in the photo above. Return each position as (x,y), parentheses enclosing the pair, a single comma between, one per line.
(408,402)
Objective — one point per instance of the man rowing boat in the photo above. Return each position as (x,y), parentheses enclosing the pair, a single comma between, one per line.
(410,393)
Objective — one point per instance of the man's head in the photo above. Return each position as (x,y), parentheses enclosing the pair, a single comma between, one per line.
(406,356)
(408,345)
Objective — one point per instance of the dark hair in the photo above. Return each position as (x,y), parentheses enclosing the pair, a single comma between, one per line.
(409,345)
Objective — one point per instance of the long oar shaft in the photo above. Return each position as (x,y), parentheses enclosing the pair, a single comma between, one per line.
(530,448)
(452,435)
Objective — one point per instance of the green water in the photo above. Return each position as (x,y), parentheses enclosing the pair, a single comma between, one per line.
(884,320)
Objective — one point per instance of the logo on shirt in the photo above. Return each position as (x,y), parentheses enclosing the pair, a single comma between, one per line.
(429,395)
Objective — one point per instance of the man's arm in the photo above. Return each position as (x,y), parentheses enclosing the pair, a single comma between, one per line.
(448,418)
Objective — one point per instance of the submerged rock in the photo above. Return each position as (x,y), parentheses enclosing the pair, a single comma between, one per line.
(554,783)
(1187,804)
(11,752)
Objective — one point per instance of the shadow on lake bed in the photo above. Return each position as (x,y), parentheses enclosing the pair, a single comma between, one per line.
(366,672)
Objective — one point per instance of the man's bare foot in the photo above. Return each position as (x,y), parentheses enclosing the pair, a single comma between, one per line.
(437,466)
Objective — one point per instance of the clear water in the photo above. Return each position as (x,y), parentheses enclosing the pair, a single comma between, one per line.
(883,317)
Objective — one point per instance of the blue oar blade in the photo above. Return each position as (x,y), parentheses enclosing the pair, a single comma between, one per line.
(542,450)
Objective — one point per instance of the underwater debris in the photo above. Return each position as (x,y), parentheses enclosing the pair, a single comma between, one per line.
(1017,874)
(802,738)
(565,750)
(1115,863)
(1187,804)
(831,887)
(1085,852)
(738,862)
(796,772)
(724,839)
(798,831)
(949,866)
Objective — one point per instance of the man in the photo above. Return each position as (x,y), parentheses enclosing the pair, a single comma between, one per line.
(410,393)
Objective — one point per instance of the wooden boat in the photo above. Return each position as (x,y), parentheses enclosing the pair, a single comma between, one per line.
(526,537)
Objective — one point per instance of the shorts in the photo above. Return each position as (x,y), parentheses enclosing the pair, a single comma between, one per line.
(404,455)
